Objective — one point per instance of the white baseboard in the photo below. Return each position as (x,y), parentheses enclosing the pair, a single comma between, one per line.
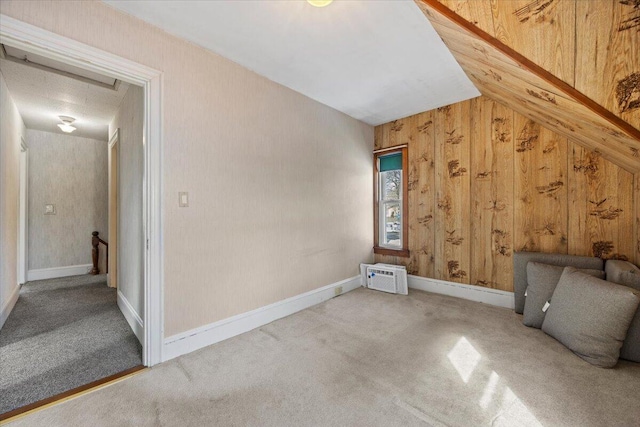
(8,305)
(197,338)
(133,318)
(474,293)
(55,272)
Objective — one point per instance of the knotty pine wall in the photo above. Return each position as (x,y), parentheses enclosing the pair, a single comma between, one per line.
(593,45)
(484,181)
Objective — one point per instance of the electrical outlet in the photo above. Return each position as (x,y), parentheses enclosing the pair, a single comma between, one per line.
(337,290)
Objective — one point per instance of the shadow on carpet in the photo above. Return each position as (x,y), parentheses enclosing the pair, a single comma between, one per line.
(62,334)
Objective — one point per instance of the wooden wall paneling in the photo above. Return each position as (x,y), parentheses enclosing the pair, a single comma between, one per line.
(390,134)
(477,12)
(624,183)
(386,259)
(601,207)
(491,194)
(581,162)
(494,67)
(482,171)
(422,195)
(542,31)
(608,55)
(378,137)
(452,183)
(540,188)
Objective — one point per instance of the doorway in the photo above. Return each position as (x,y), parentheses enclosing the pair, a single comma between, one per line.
(49,45)
(54,46)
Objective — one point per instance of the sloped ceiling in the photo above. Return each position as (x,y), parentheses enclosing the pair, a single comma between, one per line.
(511,79)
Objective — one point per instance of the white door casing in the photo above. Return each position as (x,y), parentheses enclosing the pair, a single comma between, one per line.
(23,212)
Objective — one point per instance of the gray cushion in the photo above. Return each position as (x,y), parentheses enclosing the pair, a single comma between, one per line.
(631,347)
(627,274)
(590,316)
(623,273)
(520,260)
(542,280)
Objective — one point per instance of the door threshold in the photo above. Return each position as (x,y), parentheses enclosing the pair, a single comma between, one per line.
(18,413)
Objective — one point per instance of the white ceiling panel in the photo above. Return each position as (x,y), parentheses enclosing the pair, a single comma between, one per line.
(376,61)
(41,96)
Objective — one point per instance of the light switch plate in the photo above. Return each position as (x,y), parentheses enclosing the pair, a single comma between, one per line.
(183,199)
(50,209)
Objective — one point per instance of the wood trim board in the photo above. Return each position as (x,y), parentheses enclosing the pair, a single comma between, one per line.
(69,394)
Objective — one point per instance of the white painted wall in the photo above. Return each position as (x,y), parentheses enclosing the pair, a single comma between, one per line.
(130,120)
(71,173)
(280,185)
(11,129)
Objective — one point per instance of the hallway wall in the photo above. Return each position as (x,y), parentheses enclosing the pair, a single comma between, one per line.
(130,120)
(71,173)
(11,129)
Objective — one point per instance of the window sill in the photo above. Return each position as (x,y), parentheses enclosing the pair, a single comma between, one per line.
(393,252)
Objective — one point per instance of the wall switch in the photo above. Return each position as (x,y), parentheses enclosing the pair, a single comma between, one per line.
(49,209)
(183,199)
(337,290)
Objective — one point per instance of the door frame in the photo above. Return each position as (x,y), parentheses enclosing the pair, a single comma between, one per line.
(114,180)
(23,213)
(42,42)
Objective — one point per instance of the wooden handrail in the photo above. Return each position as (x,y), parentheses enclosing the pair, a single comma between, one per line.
(95,252)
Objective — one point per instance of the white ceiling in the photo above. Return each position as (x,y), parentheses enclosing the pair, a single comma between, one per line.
(42,96)
(376,61)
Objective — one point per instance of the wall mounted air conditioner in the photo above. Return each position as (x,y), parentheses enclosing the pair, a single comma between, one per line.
(384,277)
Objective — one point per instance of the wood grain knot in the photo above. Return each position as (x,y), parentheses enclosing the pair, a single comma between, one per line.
(531,10)
(396,126)
(550,188)
(454,270)
(454,139)
(424,220)
(602,248)
(608,214)
(628,92)
(423,128)
(633,19)
(455,170)
(545,96)
(495,76)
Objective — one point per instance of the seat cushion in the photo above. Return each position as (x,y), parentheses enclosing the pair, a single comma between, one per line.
(542,280)
(627,274)
(590,316)
(520,260)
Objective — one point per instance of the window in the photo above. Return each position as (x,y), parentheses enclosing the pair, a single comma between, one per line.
(391,204)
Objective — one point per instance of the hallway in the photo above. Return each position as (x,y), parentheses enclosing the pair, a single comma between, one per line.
(63,333)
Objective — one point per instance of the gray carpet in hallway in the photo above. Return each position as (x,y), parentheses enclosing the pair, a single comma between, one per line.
(368,358)
(62,334)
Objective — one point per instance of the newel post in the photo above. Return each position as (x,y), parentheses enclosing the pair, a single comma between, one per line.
(95,241)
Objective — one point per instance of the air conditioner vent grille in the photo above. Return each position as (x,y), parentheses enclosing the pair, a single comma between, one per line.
(385,277)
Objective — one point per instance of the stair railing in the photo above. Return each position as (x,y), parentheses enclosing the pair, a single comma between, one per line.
(95,252)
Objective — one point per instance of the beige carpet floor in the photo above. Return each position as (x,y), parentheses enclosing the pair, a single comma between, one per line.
(371,359)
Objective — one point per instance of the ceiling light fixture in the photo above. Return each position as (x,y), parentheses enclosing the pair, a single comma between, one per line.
(319,3)
(65,126)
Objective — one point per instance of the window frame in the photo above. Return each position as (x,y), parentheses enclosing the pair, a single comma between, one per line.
(383,250)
